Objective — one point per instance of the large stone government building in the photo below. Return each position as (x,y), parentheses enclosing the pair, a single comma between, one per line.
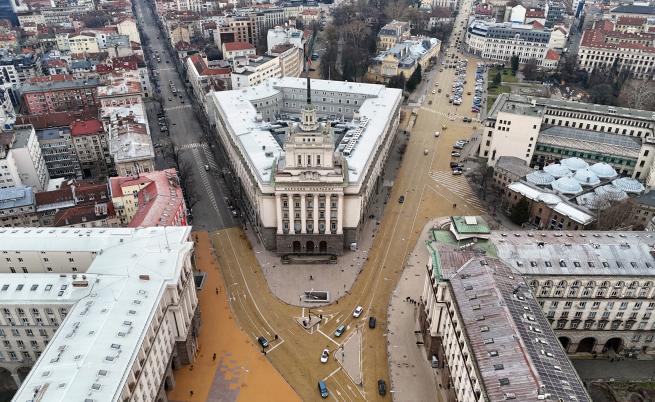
(308,157)
(584,293)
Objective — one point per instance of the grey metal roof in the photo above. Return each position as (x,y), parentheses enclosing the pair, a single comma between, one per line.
(579,134)
(571,252)
(16,197)
(632,9)
(497,310)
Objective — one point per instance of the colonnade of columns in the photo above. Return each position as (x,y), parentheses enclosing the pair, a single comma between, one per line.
(305,208)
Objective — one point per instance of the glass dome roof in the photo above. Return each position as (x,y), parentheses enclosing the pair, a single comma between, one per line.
(540,178)
(628,185)
(603,170)
(574,163)
(586,177)
(566,185)
(610,192)
(557,170)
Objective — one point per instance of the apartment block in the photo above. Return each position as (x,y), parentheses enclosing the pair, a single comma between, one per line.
(59,94)
(107,312)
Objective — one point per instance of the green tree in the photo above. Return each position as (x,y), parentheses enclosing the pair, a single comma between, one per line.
(414,79)
(397,82)
(515,63)
(520,212)
(497,79)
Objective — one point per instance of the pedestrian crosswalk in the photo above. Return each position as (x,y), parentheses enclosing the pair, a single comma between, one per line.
(208,155)
(450,116)
(204,177)
(459,186)
(192,146)
(176,107)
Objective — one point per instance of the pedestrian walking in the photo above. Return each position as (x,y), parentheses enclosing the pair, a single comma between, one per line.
(191,393)
(214,357)
(216,290)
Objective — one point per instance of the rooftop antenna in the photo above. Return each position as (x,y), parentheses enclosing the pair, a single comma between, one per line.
(168,248)
(309,90)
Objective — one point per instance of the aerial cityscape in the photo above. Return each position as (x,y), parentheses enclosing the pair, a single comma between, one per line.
(349,200)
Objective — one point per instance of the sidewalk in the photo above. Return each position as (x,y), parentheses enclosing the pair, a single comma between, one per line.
(412,377)
(239,372)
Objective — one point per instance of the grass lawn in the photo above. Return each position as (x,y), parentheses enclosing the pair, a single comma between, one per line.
(505,73)
(494,91)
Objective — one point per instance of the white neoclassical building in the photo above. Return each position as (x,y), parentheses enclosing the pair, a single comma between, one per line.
(96,314)
(308,157)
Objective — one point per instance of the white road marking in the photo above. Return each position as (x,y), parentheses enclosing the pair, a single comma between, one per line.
(323,333)
(248,287)
(332,373)
(275,347)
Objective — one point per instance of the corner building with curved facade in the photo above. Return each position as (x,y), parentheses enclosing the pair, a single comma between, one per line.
(308,157)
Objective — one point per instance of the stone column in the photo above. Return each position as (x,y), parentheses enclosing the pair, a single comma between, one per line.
(316,214)
(340,214)
(292,222)
(303,214)
(328,200)
(278,210)
(16,379)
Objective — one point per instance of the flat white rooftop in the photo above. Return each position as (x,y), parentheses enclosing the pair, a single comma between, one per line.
(110,307)
(261,149)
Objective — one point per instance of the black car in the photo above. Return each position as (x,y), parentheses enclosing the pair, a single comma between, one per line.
(382,387)
(263,342)
(371,322)
(401,199)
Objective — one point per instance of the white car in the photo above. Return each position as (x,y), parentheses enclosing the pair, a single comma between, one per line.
(436,134)
(358,311)
(434,92)
(325,355)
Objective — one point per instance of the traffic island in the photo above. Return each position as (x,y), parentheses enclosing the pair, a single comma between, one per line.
(307,323)
(349,355)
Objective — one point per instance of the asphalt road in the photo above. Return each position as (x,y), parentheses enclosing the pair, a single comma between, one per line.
(210,210)
(430,191)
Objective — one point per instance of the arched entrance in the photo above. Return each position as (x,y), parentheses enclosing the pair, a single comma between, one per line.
(7,383)
(322,247)
(586,345)
(613,344)
(565,341)
(296,246)
(310,246)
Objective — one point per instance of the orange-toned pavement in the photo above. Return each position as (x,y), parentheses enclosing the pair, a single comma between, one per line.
(240,372)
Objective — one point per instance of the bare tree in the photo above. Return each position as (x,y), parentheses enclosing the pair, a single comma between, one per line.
(639,95)
(395,9)
(185,173)
(618,215)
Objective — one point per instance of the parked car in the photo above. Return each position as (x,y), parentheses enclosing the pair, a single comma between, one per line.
(455,154)
(436,134)
(322,389)
(263,342)
(340,330)
(371,322)
(457,172)
(325,355)
(401,199)
(382,387)
(358,311)
(207,168)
